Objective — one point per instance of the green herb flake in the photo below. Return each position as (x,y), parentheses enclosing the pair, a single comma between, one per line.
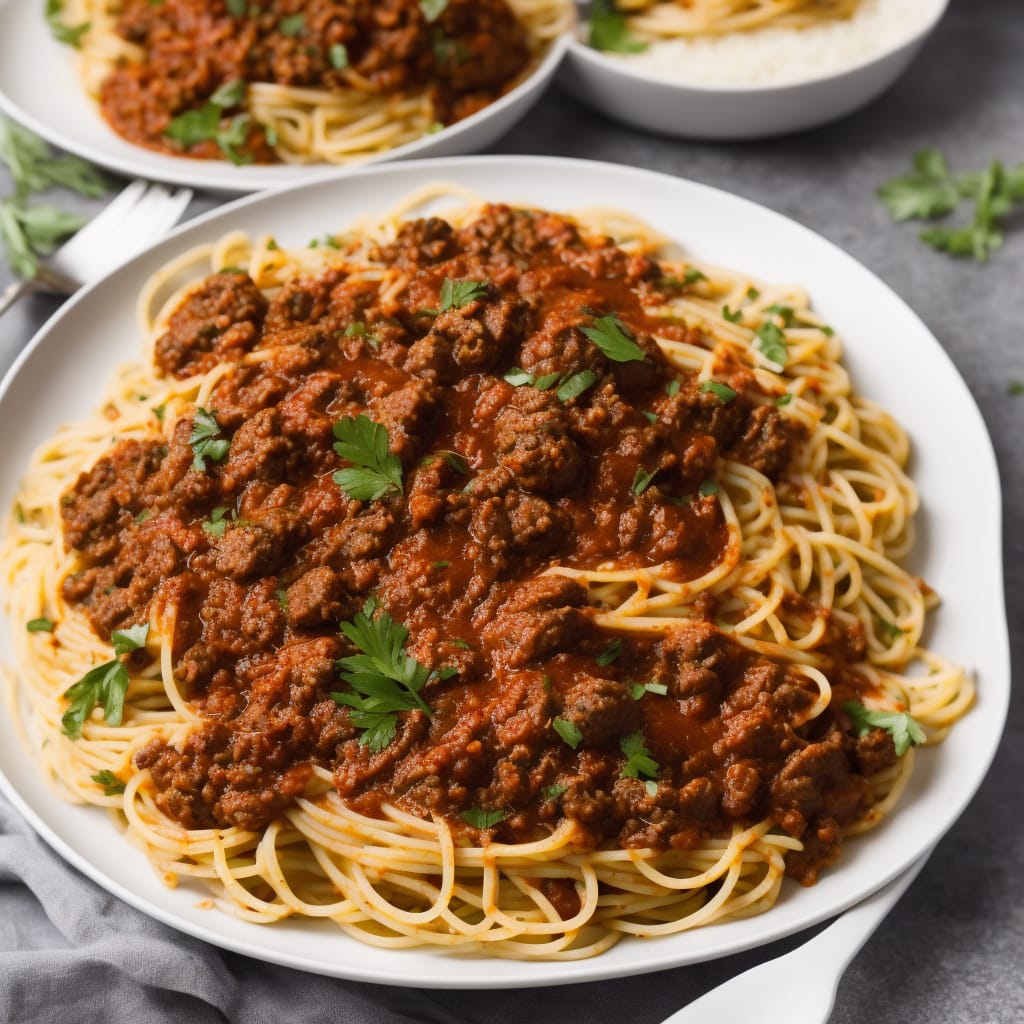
(159,410)
(338,56)
(651,417)
(282,598)
(375,471)
(457,462)
(903,729)
(1016,388)
(786,313)
(612,337)
(721,391)
(40,625)
(672,388)
(574,386)
(293,25)
(568,731)
(637,690)
(693,275)
(217,522)
(784,399)
(708,488)
(517,377)
(753,294)
(771,343)
(236,8)
(383,678)
(639,763)
(555,791)
(611,651)
(642,480)
(205,442)
(112,785)
(231,94)
(548,380)
(481,819)
(456,294)
(70,35)
(608,29)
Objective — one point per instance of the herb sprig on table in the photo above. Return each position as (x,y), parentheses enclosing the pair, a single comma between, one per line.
(29,231)
(932,192)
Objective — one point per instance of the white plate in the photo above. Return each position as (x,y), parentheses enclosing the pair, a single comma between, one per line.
(645,99)
(40,88)
(890,354)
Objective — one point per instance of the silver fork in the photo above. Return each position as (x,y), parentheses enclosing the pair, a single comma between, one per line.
(807,976)
(140,214)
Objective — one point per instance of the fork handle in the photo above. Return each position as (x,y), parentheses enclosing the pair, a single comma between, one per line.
(14,291)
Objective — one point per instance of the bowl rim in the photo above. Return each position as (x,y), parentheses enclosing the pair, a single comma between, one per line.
(578,49)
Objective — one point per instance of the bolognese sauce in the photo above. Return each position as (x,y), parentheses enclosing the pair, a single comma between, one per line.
(536,425)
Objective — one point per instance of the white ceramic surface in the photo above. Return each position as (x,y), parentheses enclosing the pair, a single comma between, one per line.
(644,100)
(888,351)
(40,88)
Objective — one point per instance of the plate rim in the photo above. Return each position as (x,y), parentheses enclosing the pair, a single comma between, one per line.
(761,929)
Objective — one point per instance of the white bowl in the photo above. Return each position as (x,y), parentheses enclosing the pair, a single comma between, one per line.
(40,88)
(646,100)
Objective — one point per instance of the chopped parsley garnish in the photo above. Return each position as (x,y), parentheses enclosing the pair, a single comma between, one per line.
(282,598)
(518,377)
(457,462)
(293,25)
(639,763)
(229,95)
(637,690)
(105,685)
(612,337)
(375,471)
(456,294)
(733,317)
(931,192)
(205,442)
(443,564)
(159,410)
(554,791)
(642,481)
(481,819)
(611,651)
(40,625)
(890,629)
(753,294)
(236,8)
(708,488)
(546,381)
(719,390)
(609,30)
(60,30)
(574,386)
(651,417)
(784,399)
(672,388)
(693,275)
(785,312)
(568,732)
(338,55)
(433,9)
(771,343)
(384,679)
(112,785)
(144,516)
(218,521)
(903,729)
(203,123)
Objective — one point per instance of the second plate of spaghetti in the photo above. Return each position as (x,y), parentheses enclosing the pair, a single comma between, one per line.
(449,576)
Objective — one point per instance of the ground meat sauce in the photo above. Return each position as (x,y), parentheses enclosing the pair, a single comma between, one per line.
(499,483)
(465,57)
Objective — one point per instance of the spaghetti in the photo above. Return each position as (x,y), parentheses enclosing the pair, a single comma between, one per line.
(633,551)
(335,81)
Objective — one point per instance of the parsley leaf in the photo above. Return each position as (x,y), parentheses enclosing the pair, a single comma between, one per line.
(637,690)
(34,169)
(338,55)
(903,729)
(642,481)
(693,275)
(375,470)
(609,30)
(112,785)
(731,316)
(707,489)
(928,192)
(554,791)
(384,679)
(721,391)
(236,8)
(672,388)
(546,381)
(293,25)
(639,763)
(518,377)
(218,521)
(40,625)
(481,819)
(574,386)
(785,312)
(612,337)
(105,685)
(568,731)
(456,294)
(204,441)
(611,651)
(231,94)
(59,29)
(771,343)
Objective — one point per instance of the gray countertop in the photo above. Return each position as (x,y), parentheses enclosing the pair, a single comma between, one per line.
(954,949)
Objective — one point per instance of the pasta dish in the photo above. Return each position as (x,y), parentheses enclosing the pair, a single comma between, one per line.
(297,81)
(481,577)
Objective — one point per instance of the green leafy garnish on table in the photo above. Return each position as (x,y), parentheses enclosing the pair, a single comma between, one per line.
(903,729)
(384,679)
(104,686)
(609,30)
(932,192)
(375,471)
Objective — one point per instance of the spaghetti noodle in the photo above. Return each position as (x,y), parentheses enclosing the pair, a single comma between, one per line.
(335,80)
(633,551)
